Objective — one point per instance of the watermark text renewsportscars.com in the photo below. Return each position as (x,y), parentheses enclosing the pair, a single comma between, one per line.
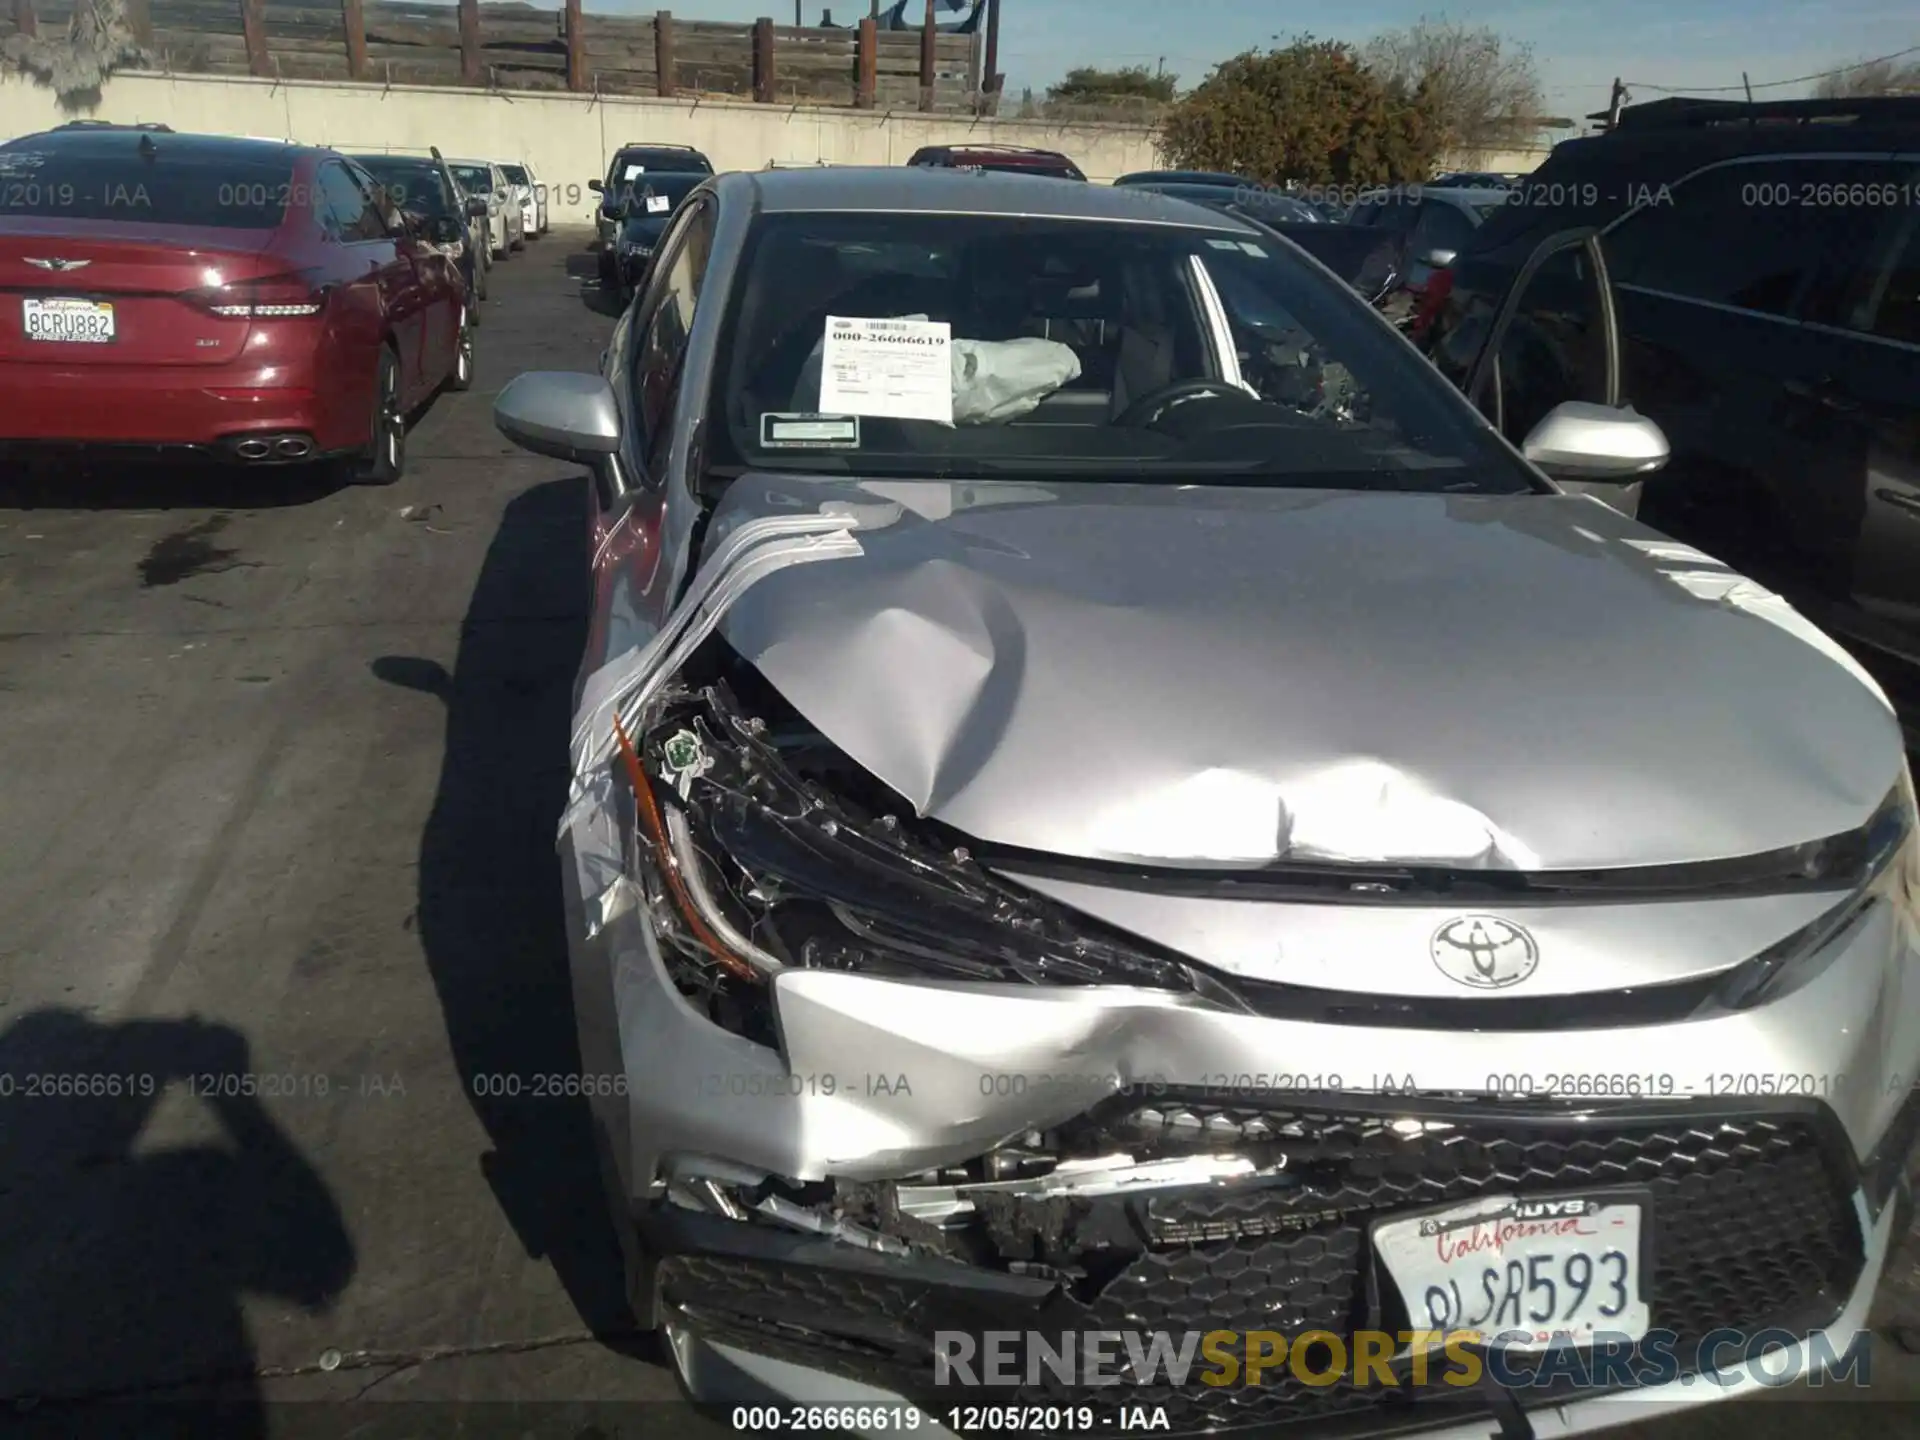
(1394,1359)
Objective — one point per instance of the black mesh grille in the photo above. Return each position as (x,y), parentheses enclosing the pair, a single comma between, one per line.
(1753,1226)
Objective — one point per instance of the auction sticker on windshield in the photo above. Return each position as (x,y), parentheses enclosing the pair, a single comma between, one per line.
(897,368)
(1533,1271)
(657,204)
(809,432)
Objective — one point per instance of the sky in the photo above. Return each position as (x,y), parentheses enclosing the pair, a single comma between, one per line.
(1579,45)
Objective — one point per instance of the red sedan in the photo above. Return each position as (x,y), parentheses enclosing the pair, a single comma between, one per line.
(259,301)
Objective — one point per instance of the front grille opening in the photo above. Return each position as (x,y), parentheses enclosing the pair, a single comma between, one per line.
(1753,1226)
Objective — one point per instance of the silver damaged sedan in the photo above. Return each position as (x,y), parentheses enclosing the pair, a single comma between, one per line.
(1107,798)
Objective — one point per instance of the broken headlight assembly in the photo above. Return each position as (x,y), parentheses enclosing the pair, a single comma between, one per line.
(757,858)
(1879,863)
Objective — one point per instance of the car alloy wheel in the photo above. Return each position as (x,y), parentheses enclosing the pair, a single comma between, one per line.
(386,458)
(461,376)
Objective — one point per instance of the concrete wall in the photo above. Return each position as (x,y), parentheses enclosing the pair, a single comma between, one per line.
(567,138)
(1521,161)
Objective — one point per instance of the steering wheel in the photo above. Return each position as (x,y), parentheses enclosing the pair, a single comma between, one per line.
(1148,409)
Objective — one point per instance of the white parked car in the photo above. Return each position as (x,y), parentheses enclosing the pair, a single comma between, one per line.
(505,227)
(533,199)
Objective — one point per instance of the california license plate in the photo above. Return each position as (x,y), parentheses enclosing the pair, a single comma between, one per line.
(68,322)
(1525,1273)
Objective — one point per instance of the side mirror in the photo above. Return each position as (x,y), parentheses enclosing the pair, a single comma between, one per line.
(477,207)
(1578,440)
(597,186)
(1441,259)
(560,413)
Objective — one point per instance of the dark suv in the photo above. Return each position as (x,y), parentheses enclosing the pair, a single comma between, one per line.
(1749,278)
(630,162)
(1001,159)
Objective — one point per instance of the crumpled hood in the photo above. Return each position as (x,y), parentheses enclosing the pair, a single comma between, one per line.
(1232,675)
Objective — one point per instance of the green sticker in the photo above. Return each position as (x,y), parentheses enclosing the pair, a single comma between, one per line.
(684,751)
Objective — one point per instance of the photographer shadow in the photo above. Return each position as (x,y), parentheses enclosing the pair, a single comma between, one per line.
(491,920)
(122,1264)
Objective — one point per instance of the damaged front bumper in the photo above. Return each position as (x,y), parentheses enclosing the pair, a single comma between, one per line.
(838,1131)
(886,1157)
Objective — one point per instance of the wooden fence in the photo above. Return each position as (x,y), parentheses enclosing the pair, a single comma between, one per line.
(517,47)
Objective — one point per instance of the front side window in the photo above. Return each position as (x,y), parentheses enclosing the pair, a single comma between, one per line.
(1895,308)
(477,179)
(1555,349)
(516,174)
(417,189)
(1441,227)
(1749,236)
(662,347)
(1124,351)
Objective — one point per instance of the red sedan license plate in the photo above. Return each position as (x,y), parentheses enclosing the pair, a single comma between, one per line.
(68,322)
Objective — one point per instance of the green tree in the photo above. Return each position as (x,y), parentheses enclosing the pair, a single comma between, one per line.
(1089,86)
(1485,89)
(1875,77)
(1311,112)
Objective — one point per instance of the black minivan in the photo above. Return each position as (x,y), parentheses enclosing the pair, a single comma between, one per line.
(1760,268)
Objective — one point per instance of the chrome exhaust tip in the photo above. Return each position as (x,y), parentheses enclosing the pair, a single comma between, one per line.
(253,449)
(293,447)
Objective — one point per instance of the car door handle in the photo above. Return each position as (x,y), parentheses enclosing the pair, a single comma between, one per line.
(1822,392)
(1899,499)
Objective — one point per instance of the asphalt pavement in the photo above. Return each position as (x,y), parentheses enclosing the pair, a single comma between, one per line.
(282,768)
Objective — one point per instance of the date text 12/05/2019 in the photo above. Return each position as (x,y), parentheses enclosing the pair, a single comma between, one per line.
(958,1419)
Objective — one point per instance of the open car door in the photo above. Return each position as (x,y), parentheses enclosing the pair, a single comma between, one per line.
(1548,375)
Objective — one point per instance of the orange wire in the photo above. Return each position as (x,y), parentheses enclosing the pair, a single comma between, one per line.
(656,825)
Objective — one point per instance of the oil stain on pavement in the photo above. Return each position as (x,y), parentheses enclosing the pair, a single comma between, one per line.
(189,552)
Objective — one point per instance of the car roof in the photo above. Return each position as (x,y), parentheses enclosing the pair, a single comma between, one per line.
(1008,152)
(1183,177)
(423,162)
(648,147)
(1468,197)
(101,140)
(915,189)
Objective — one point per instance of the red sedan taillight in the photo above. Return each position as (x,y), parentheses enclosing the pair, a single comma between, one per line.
(1439,286)
(277,297)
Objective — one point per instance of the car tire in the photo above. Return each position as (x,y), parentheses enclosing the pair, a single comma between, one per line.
(384,460)
(480,268)
(609,271)
(460,377)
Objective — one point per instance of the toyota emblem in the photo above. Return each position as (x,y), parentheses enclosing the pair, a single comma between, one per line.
(1484,951)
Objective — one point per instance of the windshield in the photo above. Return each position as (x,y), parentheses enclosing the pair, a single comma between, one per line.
(1255,200)
(1019,346)
(655,197)
(630,165)
(478,179)
(516,174)
(174,185)
(417,188)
